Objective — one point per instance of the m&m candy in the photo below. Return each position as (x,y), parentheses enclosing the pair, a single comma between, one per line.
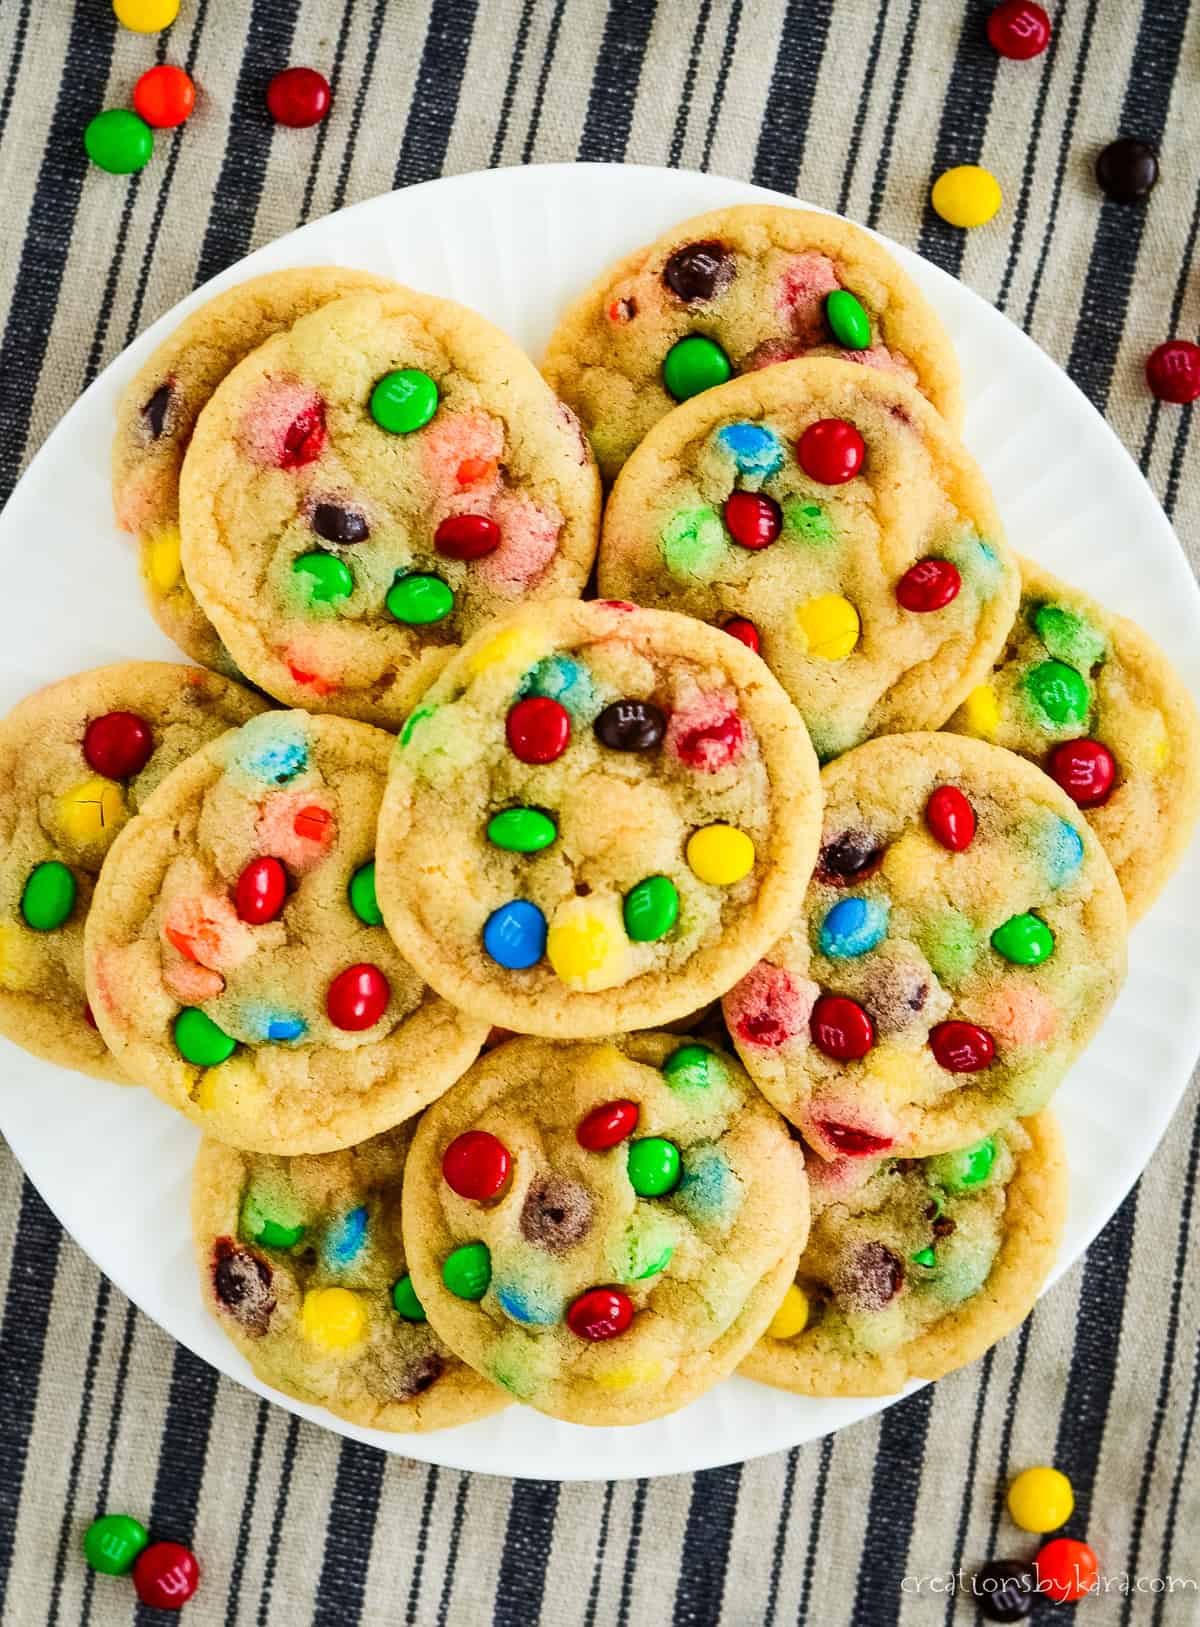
(966,1167)
(333,1318)
(404,401)
(754,521)
(146,16)
(829,627)
(630,725)
(601,1313)
(951,818)
(118,141)
(113,1542)
(357,998)
(720,855)
(694,364)
(261,891)
(1173,371)
(848,322)
(607,1125)
(515,935)
(405,1301)
(831,451)
(522,830)
(745,632)
(118,745)
(361,893)
(476,1165)
(1019,29)
(327,577)
(1067,1570)
(841,1028)
(467,1271)
(298,97)
(792,1316)
(962,1047)
(166,1575)
(164,96)
(418,599)
(966,196)
(1024,939)
(1040,1499)
(466,536)
(539,729)
(1004,1590)
(198,1039)
(653,1166)
(49,896)
(1127,170)
(651,909)
(930,584)
(1085,769)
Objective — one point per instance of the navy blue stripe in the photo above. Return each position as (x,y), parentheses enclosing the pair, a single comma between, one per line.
(265,49)
(1182,282)
(49,227)
(814,1525)
(1004,1448)
(435,96)
(1033,159)
(589,1618)
(286,1466)
(723,69)
(1184,1468)
(360,102)
(87,1390)
(864,103)
(964,1513)
(962,127)
(527,1543)
(237,1570)
(895,1487)
(899,85)
(683,111)
(615,81)
(510,85)
(182,1450)
(418,1568)
(1118,239)
(22,1341)
(110,1446)
(539,99)
(706,1542)
(322,131)
(789,102)
(637,1515)
(781,1532)
(456,1527)
(349,1531)
(15,61)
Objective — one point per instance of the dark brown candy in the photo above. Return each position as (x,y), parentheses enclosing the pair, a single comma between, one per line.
(242,1282)
(630,725)
(869,1279)
(418,1377)
(851,856)
(156,409)
(338,524)
(557,1213)
(1127,170)
(894,994)
(699,271)
(1004,1589)
(943,1226)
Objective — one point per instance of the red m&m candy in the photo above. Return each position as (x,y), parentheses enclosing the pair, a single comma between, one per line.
(601,1313)
(166,1575)
(476,1165)
(538,729)
(851,1141)
(754,521)
(951,818)
(298,97)
(962,1047)
(1067,1570)
(930,584)
(607,1125)
(261,890)
(1173,371)
(745,632)
(1019,29)
(164,96)
(1085,769)
(831,451)
(357,998)
(841,1028)
(466,536)
(118,745)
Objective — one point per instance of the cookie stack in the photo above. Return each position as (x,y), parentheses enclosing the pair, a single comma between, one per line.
(587,992)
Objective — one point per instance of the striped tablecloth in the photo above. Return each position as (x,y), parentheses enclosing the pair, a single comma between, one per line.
(855,104)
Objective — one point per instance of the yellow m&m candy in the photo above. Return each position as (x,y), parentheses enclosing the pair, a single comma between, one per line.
(586,947)
(966,195)
(516,646)
(720,854)
(333,1318)
(628,1378)
(829,626)
(161,559)
(146,16)
(1041,1499)
(92,811)
(792,1316)
(981,711)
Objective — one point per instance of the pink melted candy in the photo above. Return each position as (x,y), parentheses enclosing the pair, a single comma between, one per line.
(1020,1016)
(303,671)
(882,360)
(770,352)
(205,928)
(574,429)
(528,543)
(801,297)
(295,827)
(283,427)
(836,1178)
(706,734)
(769,1006)
(191,983)
(841,1129)
(136,505)
(462,451)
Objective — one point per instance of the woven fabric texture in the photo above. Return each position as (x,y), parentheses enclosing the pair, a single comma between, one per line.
(854,104)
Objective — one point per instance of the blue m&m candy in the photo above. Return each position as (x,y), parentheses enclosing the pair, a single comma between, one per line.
(515,935)
(753,447)
(854,926)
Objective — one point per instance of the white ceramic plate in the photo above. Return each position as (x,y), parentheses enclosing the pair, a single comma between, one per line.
(517,244)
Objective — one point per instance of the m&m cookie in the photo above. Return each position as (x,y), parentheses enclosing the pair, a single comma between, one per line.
(369,488)
(302,1264)
(916,1266)
(236,959)
(77,760)
(157,413)
(962,938)
(603,1229)
(1091,698)
(596,820)
(823,515)
(732,292)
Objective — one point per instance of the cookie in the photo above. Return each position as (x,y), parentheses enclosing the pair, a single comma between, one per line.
(732,292)
(157,414)
(596,820)
(1091,698)
(369,488)
(77,759)
(302,1265)
(236,960)
(961,941)
(824,515)
(916,1266)
(603,1229)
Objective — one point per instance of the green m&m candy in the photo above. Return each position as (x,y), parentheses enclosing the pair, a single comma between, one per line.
(967,1167)
(418,600)
(1026,940)
(259,1227)
(199,1040)
(659,1263)
(1058,692)
(361,892)
(521,830)
(848,322)
(118,141)
(327,577)
(113,1542)
(404,1298)
(653,1166)
(694,364)
(651,909)
(49,896)
(694,1067)
(925,1257)
(404,401)
(1068,636)
(468,1270)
